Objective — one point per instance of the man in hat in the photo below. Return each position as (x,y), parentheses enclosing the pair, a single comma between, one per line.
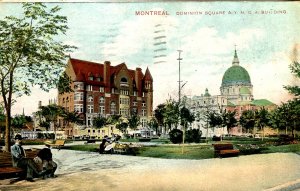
(19,159)
(46,156)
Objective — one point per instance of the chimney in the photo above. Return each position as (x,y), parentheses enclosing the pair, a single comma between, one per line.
(137,77)
(106,75)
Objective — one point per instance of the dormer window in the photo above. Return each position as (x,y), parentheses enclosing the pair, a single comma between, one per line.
(123,82)
(90,98)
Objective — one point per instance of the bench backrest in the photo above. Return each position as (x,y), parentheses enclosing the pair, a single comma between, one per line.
(60,142)
(225,146)
(6,158)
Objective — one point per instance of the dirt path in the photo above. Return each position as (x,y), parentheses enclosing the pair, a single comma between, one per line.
(91,171)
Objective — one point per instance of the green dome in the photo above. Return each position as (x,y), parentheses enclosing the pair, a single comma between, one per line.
(236,75)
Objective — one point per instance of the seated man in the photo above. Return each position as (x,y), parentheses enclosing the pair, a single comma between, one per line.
(19,160)
(46,156)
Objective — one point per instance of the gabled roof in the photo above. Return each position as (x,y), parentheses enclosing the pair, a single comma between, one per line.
(83,69)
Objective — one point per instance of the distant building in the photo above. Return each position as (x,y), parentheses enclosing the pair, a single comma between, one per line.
(236,95)
(104,90)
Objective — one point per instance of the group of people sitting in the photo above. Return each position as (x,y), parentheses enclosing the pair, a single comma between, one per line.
(108,144)
(40,166)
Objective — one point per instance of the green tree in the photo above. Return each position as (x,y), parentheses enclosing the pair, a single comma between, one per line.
(291,115)
(277,119)
(247,120)
(134,122)
(159,115)
(295,69)
(100,121)
(262,119)
(229,120)
(71,117)
(153,124)
(30,54)
(19,121)
(122,127)
(49,114)
(214,120)
(186,118)
(171,114)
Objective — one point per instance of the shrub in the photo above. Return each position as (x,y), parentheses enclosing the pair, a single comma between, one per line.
(193,136)
(176,136)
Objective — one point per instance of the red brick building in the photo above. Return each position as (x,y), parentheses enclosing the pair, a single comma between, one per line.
(103,89)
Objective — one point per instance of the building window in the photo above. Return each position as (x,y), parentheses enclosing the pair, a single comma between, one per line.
(143,94)
(78,108)
(90,98)
(143,112)
(91,78)
(124,111)
(144,122)
(102,100)
(123,82)
(134,93)
(101,89)
(78,96)
(102,109)
(124,92)
(134,103)
(90,109)
(124,101)
(144,104)
(89,88)
(78,86)
(113,108)
(89,122)
(112,90)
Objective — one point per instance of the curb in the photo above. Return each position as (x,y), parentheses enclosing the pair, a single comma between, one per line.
(289,186)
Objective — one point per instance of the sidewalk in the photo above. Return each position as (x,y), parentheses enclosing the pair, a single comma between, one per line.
(91,171)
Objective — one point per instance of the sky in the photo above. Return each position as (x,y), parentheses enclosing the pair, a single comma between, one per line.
(265,34)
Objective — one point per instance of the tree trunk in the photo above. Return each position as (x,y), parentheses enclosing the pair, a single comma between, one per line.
(7,130)
(183,136)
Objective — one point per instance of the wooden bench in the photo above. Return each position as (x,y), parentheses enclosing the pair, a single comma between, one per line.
(58,144)
(90,141)
(6,167)
(225,150)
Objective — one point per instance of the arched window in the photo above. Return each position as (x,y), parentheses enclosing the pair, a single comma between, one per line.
(90,98)
(124,80)
(101,100)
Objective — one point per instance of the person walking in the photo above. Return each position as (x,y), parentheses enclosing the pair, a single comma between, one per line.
(19,160)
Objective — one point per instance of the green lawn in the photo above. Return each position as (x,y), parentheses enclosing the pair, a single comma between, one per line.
(199,151)
(175,152)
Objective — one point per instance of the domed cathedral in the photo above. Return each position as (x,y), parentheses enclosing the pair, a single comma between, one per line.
(236,83)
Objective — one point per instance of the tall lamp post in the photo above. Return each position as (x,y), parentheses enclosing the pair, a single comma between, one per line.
(179,81)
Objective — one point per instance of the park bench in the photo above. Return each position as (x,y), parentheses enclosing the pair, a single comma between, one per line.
(121,148)
(90,141)
(6,167)
(58,144)
(225,150)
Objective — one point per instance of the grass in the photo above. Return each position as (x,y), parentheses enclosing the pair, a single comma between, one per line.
(175,152)
(201,151)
